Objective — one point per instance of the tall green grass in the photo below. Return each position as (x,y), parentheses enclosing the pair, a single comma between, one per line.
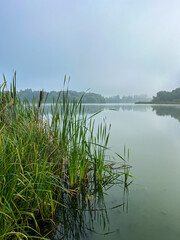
(43,155)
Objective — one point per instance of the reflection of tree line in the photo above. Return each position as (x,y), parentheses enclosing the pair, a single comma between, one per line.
(94,108)
(90,109)
(163,110)
(173,111)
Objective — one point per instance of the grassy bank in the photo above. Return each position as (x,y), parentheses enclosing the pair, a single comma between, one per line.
(43,155)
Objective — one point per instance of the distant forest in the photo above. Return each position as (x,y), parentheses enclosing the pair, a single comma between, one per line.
(53,96)
(88,97)
(127,99)
(167,97)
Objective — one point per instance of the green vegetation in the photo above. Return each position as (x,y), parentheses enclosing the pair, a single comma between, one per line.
(88,97)
(127,99)
(53,96)
(43,156)
(164,97)
(167,97)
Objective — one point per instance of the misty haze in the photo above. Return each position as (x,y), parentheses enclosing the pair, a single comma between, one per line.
(90,119)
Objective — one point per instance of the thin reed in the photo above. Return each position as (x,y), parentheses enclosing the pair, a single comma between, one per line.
(43,155)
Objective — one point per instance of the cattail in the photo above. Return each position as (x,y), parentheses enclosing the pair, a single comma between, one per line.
(40,98)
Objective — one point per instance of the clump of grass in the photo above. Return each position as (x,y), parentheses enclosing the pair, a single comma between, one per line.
(43,155)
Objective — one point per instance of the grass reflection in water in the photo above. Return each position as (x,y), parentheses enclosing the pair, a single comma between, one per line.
(83,216)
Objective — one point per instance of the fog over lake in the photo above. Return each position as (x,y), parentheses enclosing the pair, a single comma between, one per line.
(112,47)
(77,180)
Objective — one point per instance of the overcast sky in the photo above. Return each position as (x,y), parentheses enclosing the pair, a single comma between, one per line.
(110,46)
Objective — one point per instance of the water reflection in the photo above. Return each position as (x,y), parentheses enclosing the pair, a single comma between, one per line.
(161,110)
(93,108)
(79,217)
(173,111)
(90,109)
(80,214)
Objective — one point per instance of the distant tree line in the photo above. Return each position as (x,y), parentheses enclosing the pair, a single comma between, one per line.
(127,99)
(167,97)
(87,97)
(53,96)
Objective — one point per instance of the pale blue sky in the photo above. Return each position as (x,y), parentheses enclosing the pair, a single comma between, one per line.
(110,46)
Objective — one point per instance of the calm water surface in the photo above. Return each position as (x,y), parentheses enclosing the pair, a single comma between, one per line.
(151,207)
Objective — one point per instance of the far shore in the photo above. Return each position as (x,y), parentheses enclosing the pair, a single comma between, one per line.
(157,103)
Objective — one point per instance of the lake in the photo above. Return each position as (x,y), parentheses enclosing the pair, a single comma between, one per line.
(150,209)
